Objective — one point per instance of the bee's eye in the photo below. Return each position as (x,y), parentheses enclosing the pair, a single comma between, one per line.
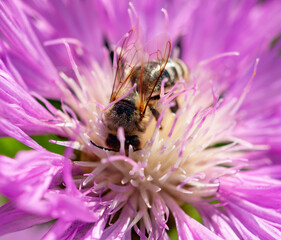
(112,142)
(132,140)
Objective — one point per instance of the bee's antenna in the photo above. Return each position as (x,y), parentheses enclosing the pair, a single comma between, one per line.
(103,148)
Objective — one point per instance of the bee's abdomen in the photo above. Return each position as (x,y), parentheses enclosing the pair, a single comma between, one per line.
(174,70)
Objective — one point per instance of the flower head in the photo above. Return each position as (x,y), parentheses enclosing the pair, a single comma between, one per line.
(210,140)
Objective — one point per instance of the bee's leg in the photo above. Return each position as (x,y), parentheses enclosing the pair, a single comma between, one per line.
(175,108)
(155,113)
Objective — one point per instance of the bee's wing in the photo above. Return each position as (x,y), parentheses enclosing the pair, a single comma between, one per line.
(126,57)
(133,57)
(158,51)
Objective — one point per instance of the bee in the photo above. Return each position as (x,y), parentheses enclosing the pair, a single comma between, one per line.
(145,70)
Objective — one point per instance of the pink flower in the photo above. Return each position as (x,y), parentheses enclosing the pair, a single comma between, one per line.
(219,152)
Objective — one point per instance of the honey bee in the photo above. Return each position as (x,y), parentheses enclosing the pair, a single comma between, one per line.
(145,70)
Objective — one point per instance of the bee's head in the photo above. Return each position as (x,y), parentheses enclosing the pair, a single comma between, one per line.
(124,114)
